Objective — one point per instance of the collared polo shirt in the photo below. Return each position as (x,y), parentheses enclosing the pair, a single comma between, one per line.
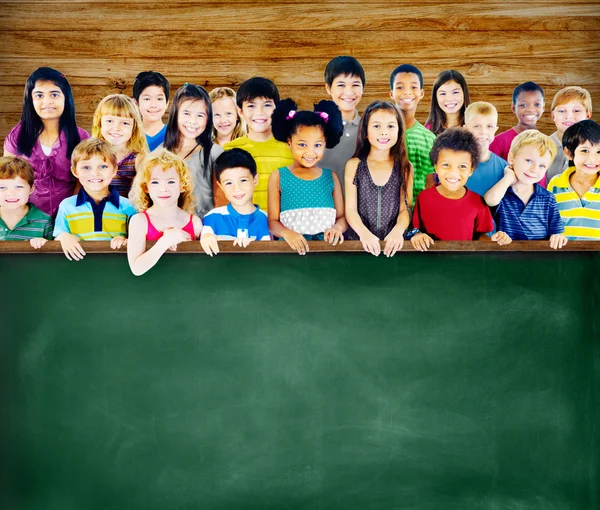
(81,216)
(537,220)
(581,216)
(335,159)
(227,224)
(35,224)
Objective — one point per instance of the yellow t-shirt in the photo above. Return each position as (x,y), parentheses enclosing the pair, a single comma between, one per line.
(269,156)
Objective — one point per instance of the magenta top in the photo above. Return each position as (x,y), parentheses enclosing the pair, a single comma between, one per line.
(53,179)
(154,235)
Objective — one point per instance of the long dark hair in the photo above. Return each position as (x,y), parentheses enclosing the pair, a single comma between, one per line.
(172,135)
(437,116)
(325,114)
(32,125)
(398,151)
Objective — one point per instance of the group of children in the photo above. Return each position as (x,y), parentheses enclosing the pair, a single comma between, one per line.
(249,166)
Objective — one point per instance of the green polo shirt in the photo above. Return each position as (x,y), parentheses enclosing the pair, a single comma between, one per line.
(34,224)
(419,141)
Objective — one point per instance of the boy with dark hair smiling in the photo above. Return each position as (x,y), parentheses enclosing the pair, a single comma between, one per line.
(528,106)
(256,99)
(240,220)
(345,83)
(406,89)
(449,211)
(151,93)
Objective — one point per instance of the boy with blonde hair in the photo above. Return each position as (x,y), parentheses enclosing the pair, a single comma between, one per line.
(97,212)
(525,210)
(20,219)
(481,119)
(569,106)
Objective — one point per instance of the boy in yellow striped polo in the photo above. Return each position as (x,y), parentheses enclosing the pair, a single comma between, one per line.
(97,212)
(577,189)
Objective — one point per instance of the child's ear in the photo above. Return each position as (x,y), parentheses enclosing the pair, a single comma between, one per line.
(31,189)
(328,89)
(512,108)
(510,159)
(135,101)
(422,94)
(589,115)
(256,177)
(568,154)
(74,171)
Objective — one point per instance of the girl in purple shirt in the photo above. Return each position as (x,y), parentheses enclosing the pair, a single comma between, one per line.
(46,137)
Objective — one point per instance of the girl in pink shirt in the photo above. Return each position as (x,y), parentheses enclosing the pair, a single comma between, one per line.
(46,137)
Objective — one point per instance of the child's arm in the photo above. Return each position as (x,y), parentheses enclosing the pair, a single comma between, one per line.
(294,239)
(68,242)
(140,260)
(38,242)
(336,233)
(208,239)
(556,226)
(420,241)
(497,191)
(395,239)
(369,240)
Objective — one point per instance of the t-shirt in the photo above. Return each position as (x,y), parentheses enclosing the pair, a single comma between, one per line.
(419,141)
(452,220)
(35,224)
(537,220)
(581,216)
(560,163)
(227,224)
(501,144)
(335,159)
(269,156)
(487,174)
(81,216)
(157,139)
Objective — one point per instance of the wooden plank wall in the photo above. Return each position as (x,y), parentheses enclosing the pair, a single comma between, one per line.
(102,44)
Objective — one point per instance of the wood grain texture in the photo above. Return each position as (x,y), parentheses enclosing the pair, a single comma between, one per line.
(102,44)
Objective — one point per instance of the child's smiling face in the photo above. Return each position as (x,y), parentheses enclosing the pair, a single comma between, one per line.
(257,114)
(307,145)
(567,114)
(14,193)
(407,91)
(238,185)
(587,158)
(450,97)
(529,108)
(382,130)
(225,116)
(346,92)
(454,169)
(48,100)
(528,164)
(116,130)
(95,174)
(164,186)
(153,103)
(192,117)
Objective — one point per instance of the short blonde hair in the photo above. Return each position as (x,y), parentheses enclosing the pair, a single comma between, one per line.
(240,126)
(573,93)
(140,198)
(94,147)
(12,167)
(120,105)
(533,137)
(480,108)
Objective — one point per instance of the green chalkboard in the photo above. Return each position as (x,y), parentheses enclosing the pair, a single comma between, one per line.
(280,382)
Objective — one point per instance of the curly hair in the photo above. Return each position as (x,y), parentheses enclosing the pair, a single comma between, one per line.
(458,140)
(139,196)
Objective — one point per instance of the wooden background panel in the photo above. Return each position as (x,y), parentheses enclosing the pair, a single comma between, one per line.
(101,45)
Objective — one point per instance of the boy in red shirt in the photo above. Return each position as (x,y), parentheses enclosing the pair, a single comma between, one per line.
(449,211)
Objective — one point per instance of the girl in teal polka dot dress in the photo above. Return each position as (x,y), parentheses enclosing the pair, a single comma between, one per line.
(305,200)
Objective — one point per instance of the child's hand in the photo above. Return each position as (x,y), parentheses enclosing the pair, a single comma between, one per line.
(173,236)
(371,244)
(509,174)
(501,238)
(333,235)
(117,242)
(37,242)
(421,242)
(209,244)
(393,242)
(297,242)
(70,246)
(242,242)
(557,241)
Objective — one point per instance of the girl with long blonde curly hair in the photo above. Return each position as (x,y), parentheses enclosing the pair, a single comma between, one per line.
(163,192)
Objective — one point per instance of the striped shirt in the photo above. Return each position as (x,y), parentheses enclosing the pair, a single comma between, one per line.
(536,220)
(35,224)
(581,216)
(419,141)
(125,174)
(228,224)
(81,216)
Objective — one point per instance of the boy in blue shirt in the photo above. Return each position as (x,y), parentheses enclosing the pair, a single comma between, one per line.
(525,210)
(97,212)
(241,220)
(151,93)
(481,119)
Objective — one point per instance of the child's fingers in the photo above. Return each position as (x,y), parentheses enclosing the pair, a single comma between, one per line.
(563,241)
(554,240)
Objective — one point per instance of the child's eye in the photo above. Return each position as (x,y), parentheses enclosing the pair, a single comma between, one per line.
(227,183)
(268,105)
(171,181)
(391,126)
(584,151)
(108,121)
(103,167)
(302,145)
(250,106)
(154,182)
(243,180)
(318,145)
